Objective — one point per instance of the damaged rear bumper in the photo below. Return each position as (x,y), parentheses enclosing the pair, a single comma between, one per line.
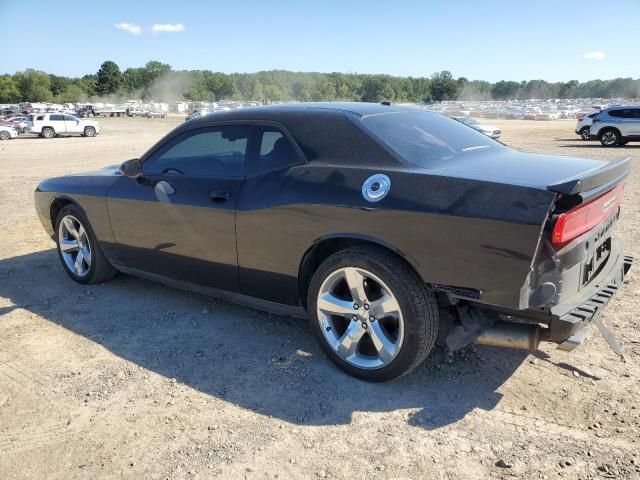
(564,323)
(569,320)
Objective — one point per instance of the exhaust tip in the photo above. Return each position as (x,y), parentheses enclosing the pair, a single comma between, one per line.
(519,336)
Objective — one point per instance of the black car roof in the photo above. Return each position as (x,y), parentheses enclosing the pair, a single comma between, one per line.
(286,110)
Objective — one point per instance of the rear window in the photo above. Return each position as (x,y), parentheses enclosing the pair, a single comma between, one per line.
(423,138)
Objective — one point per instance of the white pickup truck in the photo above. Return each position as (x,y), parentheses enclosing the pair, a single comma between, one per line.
(48,125)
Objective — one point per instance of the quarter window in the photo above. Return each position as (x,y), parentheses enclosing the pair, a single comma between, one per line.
(209,152)
(276,151)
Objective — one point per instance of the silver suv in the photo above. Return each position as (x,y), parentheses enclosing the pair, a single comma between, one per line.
(616,125)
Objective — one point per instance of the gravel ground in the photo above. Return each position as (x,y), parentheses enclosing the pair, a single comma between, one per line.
(130,379)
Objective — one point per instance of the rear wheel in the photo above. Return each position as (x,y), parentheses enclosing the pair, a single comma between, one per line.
(89,132)
(4,135)
(48,132)
(371,314)
(609,138)
(78,248)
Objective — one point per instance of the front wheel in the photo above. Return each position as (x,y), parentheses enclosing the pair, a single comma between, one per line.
(78,248)
(89,132)
(371,314)
(584,133)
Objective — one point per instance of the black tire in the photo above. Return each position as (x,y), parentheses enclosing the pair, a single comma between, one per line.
(100,270)
(609,137)
(48,132)
(584,133)
(4,135)
(89,132)
(418,306)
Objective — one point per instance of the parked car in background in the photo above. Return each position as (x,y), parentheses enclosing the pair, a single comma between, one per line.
(135,112)
(567,112)
(19,123)
(489,130)
(49,125)
(386,226)
(548,115)
(7,133)
(155,114)
(616,125)
(8,112)
(584,124)
(196,114)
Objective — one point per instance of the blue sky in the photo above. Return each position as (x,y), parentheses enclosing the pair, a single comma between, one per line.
(479,39)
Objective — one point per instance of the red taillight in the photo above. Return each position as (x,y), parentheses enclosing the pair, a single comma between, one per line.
(583,218)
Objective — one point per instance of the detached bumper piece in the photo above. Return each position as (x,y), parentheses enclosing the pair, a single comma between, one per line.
(591,310)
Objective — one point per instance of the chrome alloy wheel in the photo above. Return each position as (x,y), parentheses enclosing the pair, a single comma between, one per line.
(360,318)
(74,245)
(609,138)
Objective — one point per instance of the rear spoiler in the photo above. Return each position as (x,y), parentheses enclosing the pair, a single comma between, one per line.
(595,181)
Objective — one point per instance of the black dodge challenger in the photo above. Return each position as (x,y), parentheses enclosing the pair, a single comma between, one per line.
(389,227)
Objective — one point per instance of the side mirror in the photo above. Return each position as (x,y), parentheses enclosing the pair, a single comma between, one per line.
(131,168)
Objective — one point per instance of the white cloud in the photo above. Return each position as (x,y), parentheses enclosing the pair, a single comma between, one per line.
(167,27)
(599,55)
(131,28)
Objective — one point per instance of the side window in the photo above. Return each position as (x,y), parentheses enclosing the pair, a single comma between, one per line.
(70,118)
(40,117)
(275,151)
(636,113)
(622,113)
(207,152)
(55,118)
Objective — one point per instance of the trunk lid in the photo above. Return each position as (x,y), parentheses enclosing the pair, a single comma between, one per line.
(557,173)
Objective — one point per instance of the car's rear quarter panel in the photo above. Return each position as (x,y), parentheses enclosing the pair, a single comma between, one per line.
(453,231)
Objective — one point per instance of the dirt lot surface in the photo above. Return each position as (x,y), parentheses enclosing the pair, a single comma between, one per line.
(130,379)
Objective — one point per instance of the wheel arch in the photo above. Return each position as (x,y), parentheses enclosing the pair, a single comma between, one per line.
(605,129)
(58,204)
(324,247)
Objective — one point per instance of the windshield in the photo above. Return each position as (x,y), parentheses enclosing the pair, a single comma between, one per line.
(423,138)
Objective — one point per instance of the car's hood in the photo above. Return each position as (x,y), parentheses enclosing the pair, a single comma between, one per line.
(505,165)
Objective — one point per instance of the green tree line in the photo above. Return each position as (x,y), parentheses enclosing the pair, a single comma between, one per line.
(158,81)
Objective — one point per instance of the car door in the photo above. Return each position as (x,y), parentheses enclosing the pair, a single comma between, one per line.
(56,121)
(262,225)
(72,124)
(178,220)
